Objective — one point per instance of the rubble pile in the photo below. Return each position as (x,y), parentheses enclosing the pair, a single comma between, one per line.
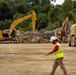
(30,37)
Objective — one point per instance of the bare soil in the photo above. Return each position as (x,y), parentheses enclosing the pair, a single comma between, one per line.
(30,59)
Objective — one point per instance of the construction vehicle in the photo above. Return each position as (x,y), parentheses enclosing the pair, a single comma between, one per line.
(62,32)
(72,36)
(10,33)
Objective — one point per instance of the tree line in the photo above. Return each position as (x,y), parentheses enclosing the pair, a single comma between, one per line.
(49,16)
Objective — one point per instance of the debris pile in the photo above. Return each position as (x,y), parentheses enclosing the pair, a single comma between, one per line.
(30,37)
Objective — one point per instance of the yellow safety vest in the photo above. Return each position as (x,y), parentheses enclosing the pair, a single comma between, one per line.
(59,53)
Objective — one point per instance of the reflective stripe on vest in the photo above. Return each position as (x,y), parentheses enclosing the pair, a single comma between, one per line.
(59,53)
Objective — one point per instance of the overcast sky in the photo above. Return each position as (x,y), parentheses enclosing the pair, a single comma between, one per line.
(58,2)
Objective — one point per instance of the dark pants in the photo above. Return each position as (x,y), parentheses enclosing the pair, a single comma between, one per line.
(61,64)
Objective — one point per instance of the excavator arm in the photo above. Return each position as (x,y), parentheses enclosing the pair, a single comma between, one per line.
(63,31)
(19,20)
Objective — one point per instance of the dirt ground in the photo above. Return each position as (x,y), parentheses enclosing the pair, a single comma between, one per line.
(30,59)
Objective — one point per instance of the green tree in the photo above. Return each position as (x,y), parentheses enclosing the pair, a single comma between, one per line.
(53,14)
(5,24)
(4,11)
(42,21)
(71,16)
(34,2)
(44,2)
(67,7)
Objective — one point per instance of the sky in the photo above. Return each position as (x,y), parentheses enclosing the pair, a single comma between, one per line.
(59,2)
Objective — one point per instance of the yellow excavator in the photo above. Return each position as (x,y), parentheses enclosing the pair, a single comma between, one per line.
(72,36)
(8,33)
(64,30)
(68,33)
(62,34)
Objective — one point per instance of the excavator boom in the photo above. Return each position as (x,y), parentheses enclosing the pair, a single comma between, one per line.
(63,31)
(19,20)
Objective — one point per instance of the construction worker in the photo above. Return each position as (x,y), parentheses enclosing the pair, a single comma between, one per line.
(59,55)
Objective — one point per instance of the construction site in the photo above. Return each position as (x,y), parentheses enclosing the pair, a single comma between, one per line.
(65,34)
(24,53)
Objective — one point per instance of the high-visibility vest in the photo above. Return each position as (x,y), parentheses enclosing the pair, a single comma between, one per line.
(59,53)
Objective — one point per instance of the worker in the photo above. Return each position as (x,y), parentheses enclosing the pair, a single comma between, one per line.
(59,55)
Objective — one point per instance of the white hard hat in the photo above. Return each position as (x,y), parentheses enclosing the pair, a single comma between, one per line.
(53,38)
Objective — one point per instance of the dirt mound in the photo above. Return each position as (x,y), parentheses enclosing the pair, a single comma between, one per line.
(46,35)
(30,37)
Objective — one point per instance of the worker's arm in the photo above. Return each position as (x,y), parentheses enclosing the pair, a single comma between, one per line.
(54,50)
